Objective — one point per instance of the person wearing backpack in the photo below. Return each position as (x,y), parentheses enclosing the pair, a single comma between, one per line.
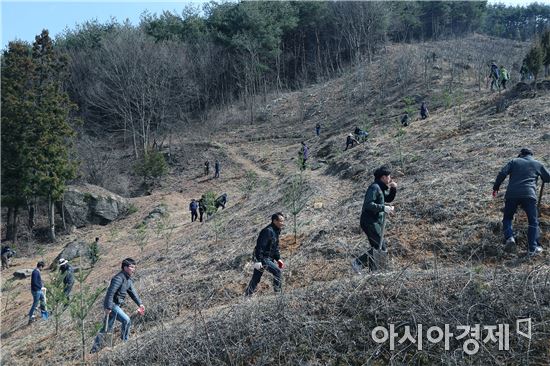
(504,76)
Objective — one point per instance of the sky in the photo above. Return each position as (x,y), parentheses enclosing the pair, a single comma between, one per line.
(25,19)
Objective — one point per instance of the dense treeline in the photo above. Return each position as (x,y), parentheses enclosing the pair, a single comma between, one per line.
(140,79)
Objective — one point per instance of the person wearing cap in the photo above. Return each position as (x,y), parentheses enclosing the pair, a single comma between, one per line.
(37,291)
(267,256)
(121,285)
(350,140)
(522,191)
(67,272)
(373,213)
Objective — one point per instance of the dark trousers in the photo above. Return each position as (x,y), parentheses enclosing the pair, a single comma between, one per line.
(317,131)
(201,212)
(272,268)
(194,215)
(529,205)
(5,262)
(67,289)
(375,240)
(503,83)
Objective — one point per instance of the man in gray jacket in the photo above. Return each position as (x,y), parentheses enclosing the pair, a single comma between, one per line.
(522,191)
(121,284)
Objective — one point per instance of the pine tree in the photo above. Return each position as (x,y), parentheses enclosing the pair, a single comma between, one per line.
(49,128)
(533,61)
(17,70)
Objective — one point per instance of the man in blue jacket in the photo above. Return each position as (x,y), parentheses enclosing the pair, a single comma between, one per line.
(522,191)
(37,290)
(267,256)
(121,284)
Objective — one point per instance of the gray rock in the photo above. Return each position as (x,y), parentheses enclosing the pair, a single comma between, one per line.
(157,213)
(89,204)
(546,137)
(71,251)
(22,273)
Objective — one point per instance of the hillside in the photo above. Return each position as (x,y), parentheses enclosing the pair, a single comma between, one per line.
(447,262)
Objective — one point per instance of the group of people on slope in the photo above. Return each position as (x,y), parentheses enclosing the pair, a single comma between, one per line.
(523,171)
(217,168)
(198,208)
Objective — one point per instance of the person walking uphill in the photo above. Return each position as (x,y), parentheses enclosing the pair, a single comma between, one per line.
(424,111)
(318,129)
(193,206)
(373,214)
(206,168)
(267,256)
(503,76)
(67,272)
(217,169)
(38,290)
(202,208)
(121,284)
(304,155)
(522,191)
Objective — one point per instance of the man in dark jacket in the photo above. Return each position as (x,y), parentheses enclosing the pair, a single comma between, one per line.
(121,284)
(202,208)
(304,155)
(7,253)
(373,214)
(193,206)
(522,191)
(424,111)
(267,255)
(221,201)
(206,168)
(68,276)
(37,291)
(217,169)
(350,140)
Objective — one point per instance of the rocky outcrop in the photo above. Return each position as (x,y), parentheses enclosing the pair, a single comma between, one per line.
(71,251)
(89,204)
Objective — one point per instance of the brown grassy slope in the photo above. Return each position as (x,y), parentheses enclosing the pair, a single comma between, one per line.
(445,217)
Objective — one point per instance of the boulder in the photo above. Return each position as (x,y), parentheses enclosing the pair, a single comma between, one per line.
(157,213)
(89,204)
(71,251)
(22,273)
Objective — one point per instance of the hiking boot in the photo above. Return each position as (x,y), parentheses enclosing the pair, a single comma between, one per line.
(357,268)
(510,245)
(535,252)
(32,319)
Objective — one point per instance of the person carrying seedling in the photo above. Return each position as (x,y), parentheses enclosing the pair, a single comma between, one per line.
(121,285)
(522,191)
(38,292)
(267,256)
(373,217)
